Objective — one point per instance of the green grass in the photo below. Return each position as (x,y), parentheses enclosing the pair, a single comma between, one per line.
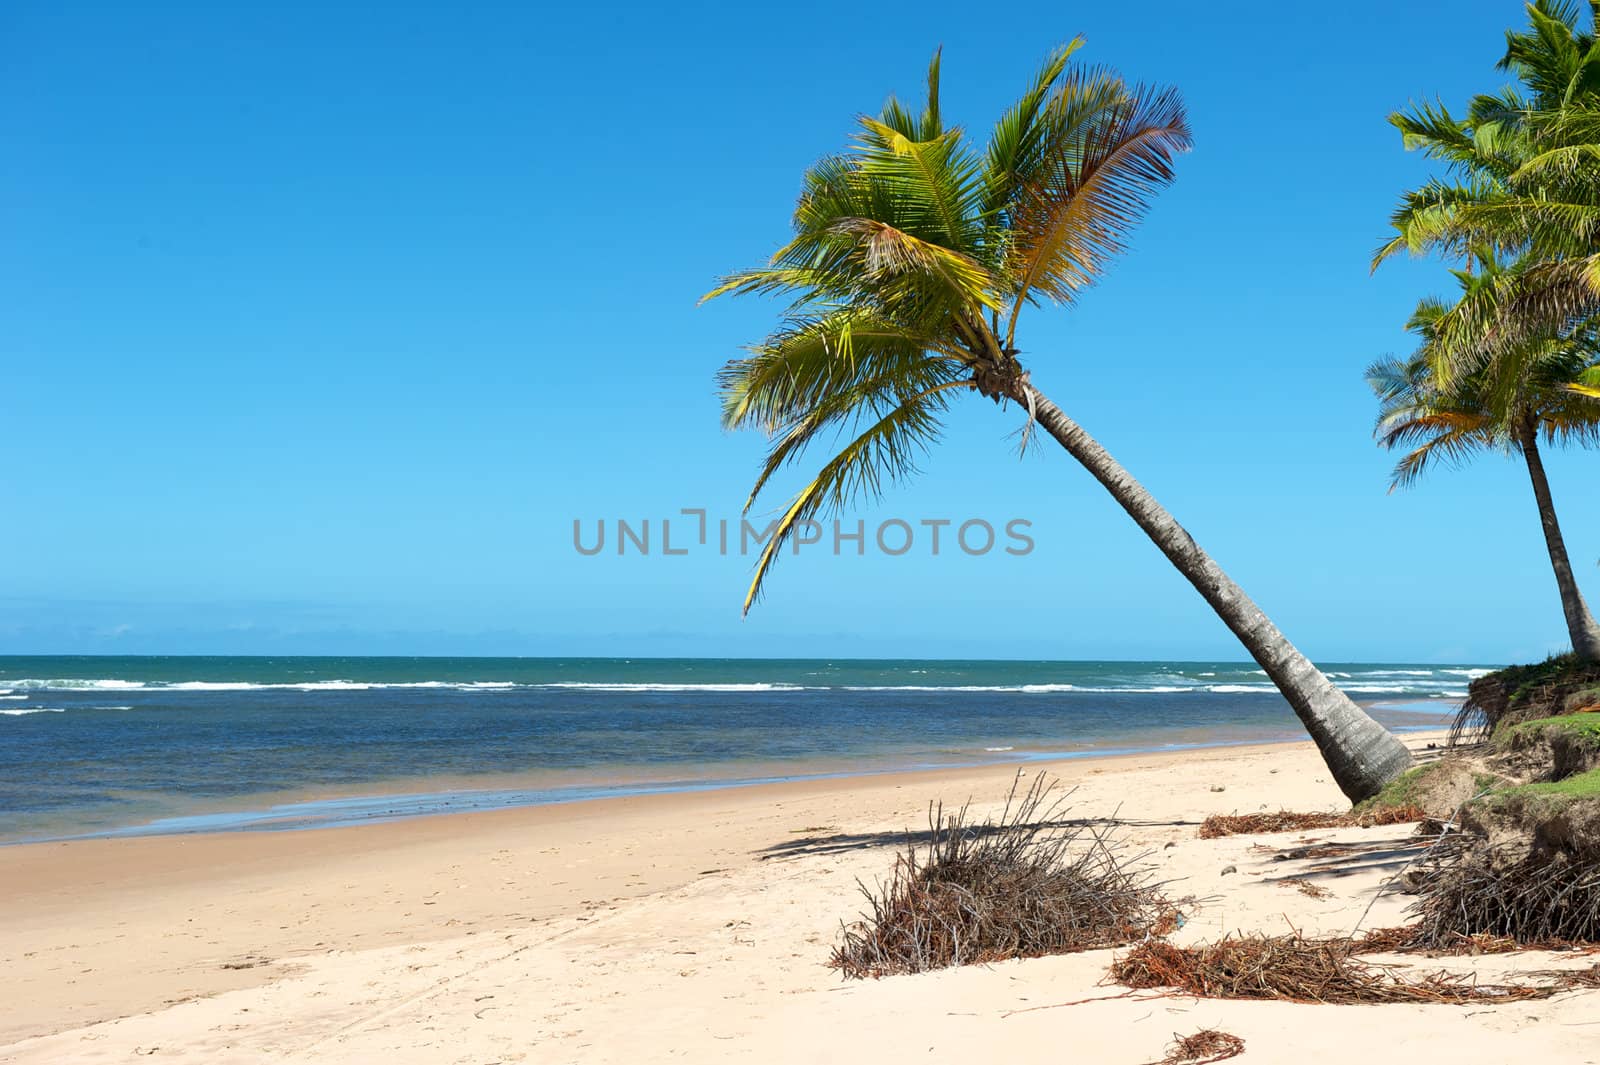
(1401,791)
(1578,786)
(1537,798)
(1524,680)
(1583,727)
(1407,788)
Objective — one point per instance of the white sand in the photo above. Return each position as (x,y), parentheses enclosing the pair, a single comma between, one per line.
(687,928)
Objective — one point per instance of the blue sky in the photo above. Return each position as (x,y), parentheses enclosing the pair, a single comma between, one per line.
(324,322)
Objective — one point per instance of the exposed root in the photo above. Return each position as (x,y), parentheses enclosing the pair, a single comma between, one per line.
(1474,889)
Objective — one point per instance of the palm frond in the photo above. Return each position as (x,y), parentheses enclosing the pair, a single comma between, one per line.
(1430,129)
(1431,219)
(1518,307)
(1413,412)
(936,182)
(1446,407)
(875,228)
(1109,151)
(1018,138)
(812,360)
(886,451)
(1587,383)
(930,123)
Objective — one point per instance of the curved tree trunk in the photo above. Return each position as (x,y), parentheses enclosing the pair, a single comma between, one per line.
(1581,625)
(1361,753)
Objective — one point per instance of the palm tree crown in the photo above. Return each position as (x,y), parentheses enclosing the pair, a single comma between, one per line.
(1523,182)
(913,256)
(1537,389)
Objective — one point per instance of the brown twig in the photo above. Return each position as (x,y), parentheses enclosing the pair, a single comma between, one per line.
(1295,968)
(1204,1047)
(1075,1002)
(1219,825)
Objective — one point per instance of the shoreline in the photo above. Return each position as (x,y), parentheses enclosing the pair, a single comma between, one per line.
(430,795)
(92,930)
(696,926)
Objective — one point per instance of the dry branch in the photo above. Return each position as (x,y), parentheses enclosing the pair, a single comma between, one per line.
(1294,968)
(1218,825)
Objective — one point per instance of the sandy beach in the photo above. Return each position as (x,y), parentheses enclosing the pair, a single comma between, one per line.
(571,535)
(688,927)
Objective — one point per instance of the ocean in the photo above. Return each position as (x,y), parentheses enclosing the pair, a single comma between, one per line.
(98,746)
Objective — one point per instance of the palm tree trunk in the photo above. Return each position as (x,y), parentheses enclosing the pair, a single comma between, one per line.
(1581,625)
(1361,753)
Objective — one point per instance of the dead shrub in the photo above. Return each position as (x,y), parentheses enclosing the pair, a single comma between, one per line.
(1472,888)
(1023,886)
(1219,825)
(1294,968)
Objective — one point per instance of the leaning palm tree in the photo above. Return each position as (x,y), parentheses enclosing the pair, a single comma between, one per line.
(1533,389)
(913,257)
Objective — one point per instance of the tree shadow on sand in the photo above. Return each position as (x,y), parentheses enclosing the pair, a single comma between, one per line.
(843,842)
(1313,859)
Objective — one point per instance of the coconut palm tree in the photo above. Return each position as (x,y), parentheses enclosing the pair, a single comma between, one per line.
(1524,182)
(1530,390)
(913,257)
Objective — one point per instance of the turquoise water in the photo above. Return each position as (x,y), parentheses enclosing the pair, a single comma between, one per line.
(113,745)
